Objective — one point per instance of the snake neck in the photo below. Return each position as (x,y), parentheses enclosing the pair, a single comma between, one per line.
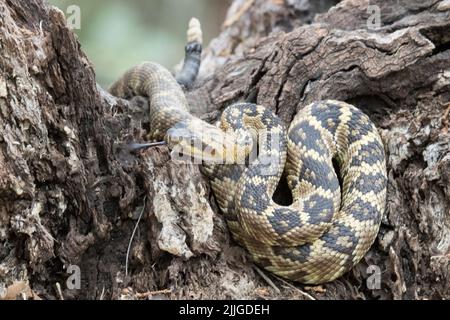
(269,163)
(257,183)
(258,213)
(168,105)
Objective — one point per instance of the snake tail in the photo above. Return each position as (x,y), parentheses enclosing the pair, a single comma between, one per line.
(193,53)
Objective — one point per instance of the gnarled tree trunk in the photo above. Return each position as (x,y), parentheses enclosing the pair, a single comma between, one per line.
(71,194)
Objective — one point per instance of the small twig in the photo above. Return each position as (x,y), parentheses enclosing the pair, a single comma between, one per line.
(307,295)
(270,282)
(445,120)
(132,236)
(446,256)
(234,18)
(152,293)
(41,30)
(102,294)
(58,290)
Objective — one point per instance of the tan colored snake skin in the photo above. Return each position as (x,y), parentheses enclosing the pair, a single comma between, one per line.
(328,228)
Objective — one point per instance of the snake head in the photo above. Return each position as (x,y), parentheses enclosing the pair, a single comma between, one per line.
(197,141)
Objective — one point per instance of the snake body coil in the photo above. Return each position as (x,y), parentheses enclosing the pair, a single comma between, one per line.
(328,228)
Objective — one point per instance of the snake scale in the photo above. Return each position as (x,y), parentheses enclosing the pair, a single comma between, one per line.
(334,217)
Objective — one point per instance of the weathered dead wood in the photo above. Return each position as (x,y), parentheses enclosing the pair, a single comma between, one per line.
(71,194)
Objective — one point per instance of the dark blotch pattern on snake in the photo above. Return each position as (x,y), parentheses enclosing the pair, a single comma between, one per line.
(327,229)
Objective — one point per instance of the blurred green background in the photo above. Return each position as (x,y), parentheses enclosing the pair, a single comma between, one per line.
(117,34)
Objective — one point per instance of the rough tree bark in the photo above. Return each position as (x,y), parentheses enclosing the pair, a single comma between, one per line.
(70,194)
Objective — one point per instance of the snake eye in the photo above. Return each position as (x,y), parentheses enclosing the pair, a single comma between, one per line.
(180,134)
(184,143)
